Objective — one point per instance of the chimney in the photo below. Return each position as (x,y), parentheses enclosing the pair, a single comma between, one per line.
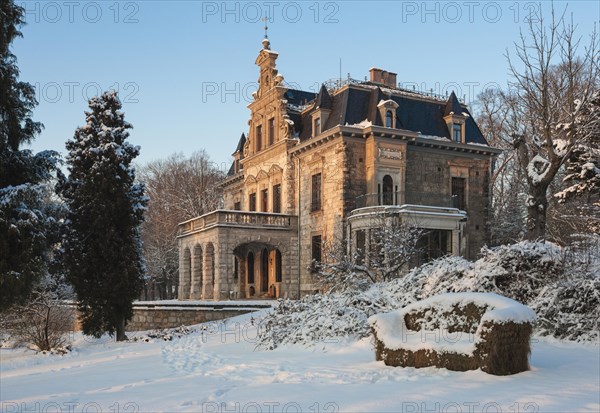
(383,77)
(375,75)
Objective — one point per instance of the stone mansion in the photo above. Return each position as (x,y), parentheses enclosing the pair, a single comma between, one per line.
(316,167)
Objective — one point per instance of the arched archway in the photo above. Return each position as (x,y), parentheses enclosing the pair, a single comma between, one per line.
(186,274)
(388,190)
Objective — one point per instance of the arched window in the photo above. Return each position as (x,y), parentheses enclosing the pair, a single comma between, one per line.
(388,190)
(278,267)
(250,268)
(389,116)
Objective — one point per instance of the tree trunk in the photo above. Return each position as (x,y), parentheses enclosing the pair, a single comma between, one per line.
(537,207)
(121,330)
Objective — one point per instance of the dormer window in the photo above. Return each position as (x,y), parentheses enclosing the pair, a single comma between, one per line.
(387,110)
(389,117)
(457,132)
(317,126)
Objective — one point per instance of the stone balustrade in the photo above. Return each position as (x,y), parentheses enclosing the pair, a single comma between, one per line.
(238,219)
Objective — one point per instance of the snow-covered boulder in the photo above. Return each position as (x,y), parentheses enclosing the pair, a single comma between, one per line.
(457,331)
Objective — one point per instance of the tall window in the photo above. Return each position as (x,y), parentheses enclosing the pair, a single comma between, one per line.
(361,245)
(316,248)
(265,200)
(271,131)
(459,195)
(277,198)
(258,138)
(316,193)
(434,244)
(237,206)
(317,128)
(388,190)
(252,202)
(457,132)
(388,119)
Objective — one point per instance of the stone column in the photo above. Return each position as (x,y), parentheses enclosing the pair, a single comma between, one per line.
(184,274)
(207,285)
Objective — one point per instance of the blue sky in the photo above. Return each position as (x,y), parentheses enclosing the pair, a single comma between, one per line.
(185,69)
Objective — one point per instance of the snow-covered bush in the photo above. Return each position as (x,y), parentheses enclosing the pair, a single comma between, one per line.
(567,302)
(44,322)
(520,270)
(570,308)
(516,271)
(323,317)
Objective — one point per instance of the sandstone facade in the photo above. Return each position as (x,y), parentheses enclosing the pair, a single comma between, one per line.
(315,168)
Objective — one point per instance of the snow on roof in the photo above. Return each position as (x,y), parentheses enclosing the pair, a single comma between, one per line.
(363,124)
(436,138)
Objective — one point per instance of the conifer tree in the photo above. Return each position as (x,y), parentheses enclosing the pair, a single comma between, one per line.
(583,164)
(102,250)
(25,214)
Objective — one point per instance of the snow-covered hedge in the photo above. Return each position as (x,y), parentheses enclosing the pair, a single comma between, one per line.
(323,317)
(566,300)
(570,308)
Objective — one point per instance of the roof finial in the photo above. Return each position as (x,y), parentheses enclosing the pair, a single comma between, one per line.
(265,42)
(266,19)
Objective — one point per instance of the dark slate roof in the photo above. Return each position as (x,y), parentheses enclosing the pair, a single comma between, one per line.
(240,145)
(240,149)
(298,97)
(453,105)
(415,113)
(323,99)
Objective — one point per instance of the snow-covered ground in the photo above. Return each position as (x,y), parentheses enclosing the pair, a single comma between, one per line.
(219,371)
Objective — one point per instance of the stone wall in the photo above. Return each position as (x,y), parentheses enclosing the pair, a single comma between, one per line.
(430,171)
(149,317)
(152,318)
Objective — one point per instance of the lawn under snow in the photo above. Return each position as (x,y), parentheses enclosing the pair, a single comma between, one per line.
(219,371)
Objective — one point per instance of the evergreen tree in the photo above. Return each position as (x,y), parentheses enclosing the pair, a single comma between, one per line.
(25,215)
(102,250)
(583,163)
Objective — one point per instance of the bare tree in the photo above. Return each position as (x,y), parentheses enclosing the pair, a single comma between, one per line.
(508,191)
(45,320)
(550,74)
(179,188)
